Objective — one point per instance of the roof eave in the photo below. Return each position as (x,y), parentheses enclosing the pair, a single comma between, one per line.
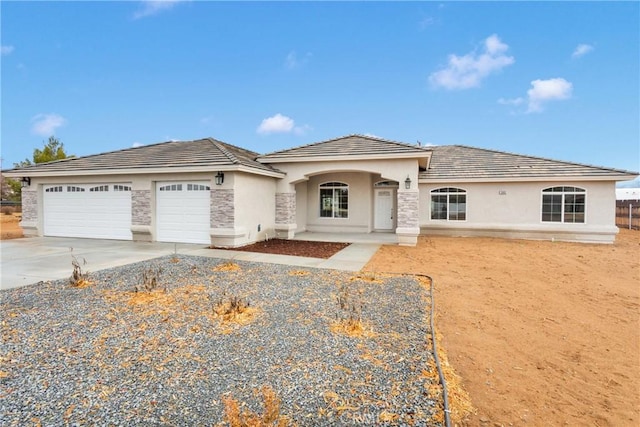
(144,171)
(553,178)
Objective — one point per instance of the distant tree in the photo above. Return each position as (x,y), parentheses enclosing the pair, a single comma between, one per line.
(52,150)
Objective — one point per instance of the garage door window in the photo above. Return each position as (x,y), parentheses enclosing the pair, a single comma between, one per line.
(100,188)
(72,189)
(57,189)
(197,187)
(119,187)
(171,187)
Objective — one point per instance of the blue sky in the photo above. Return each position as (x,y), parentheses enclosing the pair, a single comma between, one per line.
(552,79)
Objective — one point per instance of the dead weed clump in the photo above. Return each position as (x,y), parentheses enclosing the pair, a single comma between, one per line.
(236,417)
(79,278)
(150,280)
(348,319)
(227,266)
(299,273)
(234,309)
(366,276)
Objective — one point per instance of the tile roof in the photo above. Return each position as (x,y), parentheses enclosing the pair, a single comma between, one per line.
(203,153)
(351,145)
(454,162)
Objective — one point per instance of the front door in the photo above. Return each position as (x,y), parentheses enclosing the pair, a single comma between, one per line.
(383,215)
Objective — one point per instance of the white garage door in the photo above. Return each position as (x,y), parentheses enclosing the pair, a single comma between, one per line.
(99,211)
(183,212)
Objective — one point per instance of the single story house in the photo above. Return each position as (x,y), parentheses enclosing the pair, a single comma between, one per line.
(210,192)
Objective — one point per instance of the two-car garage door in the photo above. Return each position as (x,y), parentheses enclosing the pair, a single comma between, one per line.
(103,211)
(99,211)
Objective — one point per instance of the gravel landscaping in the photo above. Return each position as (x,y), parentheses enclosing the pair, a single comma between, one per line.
(104,354)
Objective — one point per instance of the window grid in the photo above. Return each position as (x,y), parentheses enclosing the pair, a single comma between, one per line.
(171,187)
(564,204)
(449,204)
(119,187)
(100,188)
(334,200)
(74,189)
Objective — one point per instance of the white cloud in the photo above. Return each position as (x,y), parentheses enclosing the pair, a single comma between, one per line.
(425,22)
(153,7)
(293,61)
(137,144)
(543,91)
(6,50)
(581,50)
(281,124)
(46,124)
(464,72)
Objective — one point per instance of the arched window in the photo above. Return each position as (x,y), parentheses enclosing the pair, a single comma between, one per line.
(449,204)
(334,200)
(563,204)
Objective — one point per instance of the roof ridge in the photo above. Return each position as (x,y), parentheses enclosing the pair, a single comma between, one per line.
(359,135)
(542,158)
(221,146)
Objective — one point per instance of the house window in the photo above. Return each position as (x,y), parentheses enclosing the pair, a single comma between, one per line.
(334,200)
(119,187)
(563,204)
(449,204)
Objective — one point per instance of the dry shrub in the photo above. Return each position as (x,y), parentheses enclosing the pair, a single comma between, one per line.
(348,319)
(227,266)
(234,309)
(79,278)
(247,418)
(8,210)
(150,280)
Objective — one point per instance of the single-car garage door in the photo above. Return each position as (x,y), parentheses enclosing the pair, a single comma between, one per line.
(99,211)
(183,212)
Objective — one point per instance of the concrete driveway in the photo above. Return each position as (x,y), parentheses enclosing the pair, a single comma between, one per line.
(35,259)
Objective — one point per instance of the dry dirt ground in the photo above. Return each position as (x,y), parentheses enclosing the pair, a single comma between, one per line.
(542,333)
(9,228)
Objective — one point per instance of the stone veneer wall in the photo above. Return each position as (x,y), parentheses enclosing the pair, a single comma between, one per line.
(285,208)
(141,207)
(222,208)
(29,206)
(408,209)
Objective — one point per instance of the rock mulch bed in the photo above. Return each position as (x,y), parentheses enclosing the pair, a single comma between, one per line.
(106,355)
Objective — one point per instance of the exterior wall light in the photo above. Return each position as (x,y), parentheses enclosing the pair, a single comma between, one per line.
(219,178)
(407,183)
(25,182)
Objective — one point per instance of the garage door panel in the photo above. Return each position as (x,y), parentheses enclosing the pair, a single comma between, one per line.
(183,212)
(71,212)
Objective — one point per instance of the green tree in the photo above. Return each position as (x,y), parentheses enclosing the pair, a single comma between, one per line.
(52,150)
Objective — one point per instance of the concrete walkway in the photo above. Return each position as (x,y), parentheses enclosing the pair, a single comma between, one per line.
(31,260)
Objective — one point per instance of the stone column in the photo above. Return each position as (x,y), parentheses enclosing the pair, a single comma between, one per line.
(141,215)
(408,218)
(29,221)
(286,214)
(224,232)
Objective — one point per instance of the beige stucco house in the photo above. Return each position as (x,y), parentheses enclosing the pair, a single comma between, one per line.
(210,192)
